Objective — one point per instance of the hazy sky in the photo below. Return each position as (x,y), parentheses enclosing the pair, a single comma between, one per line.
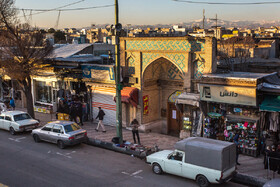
(144,12)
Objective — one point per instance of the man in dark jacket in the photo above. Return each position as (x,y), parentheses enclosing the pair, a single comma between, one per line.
(76,110)
(100,116)
(236,142)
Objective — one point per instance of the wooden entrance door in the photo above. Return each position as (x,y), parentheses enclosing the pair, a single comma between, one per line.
(174,120)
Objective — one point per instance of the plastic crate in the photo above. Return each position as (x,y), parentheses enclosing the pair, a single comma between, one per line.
(63,116)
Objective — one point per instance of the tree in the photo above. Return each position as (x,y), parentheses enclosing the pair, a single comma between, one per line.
(237,49)
(59,37)
(51,30)
(22,50)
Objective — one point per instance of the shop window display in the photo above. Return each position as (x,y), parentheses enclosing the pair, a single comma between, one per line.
(214,126)
(190,119)
(248,140)
(43,92)
(245,121)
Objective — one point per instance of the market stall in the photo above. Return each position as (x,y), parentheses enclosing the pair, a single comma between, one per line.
(248,127)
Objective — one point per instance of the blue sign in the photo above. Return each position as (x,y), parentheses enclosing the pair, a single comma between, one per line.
(99,72)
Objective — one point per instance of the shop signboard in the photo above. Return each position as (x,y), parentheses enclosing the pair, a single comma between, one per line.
(104,73)
(228,94)
(146,104)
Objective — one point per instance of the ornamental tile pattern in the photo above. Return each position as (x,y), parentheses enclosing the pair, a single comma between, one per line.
(165,45)
(199,66)
(174,73)
(131,64)
(177,58)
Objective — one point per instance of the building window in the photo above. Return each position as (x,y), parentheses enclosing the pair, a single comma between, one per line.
(206,92)
(43,92)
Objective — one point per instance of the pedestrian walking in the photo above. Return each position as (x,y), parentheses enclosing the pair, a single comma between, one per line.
(100,116)
(135,125)
(236,139)
(12,103)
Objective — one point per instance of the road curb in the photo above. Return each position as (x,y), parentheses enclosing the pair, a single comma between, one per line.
(113,147)
(239,178)
(245,179)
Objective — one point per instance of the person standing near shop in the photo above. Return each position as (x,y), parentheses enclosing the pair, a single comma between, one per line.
(236,139)
(12,103)
(135,125)
(100,116)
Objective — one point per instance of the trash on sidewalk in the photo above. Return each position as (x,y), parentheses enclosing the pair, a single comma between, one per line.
(141,149)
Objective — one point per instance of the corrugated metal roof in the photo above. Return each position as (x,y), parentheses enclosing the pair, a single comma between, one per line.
(68,50)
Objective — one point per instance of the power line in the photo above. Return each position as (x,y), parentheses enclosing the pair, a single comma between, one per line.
(70,9)
(229,3)
(43,11)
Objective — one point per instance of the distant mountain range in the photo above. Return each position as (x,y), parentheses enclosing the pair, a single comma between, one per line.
(209,23)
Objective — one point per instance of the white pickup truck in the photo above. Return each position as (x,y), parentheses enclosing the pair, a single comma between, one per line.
(201,159)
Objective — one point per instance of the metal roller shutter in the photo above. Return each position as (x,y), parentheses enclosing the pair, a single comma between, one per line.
(104,97)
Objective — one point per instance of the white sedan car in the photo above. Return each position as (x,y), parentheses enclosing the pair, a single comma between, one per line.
(17,121)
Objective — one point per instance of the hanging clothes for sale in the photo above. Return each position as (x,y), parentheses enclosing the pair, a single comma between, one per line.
(274,121)
(264,120)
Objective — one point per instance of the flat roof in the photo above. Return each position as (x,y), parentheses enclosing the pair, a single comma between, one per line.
(238,75)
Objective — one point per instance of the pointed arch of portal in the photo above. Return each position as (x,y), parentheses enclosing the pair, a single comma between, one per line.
(178,59)
(163,67)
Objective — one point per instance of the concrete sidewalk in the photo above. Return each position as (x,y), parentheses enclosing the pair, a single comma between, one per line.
(249,165)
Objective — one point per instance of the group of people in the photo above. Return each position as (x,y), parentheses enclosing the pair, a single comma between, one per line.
(272,158)
(74,109)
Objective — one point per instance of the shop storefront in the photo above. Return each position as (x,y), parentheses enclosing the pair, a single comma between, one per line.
(44,94)
(232,107)
(270,108)
(188,104)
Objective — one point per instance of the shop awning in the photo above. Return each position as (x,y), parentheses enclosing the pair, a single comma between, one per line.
(271,103)
(188,99)
(129,95)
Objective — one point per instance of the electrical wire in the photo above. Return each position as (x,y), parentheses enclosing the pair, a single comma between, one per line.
(229,3)
(70,9)
(48,10)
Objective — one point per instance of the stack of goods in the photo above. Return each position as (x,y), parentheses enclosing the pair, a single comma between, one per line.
(248,139)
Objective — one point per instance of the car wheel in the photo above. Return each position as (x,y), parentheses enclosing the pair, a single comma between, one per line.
(157,169)
(36,138)
(60,144)
(12,131)
(202,181)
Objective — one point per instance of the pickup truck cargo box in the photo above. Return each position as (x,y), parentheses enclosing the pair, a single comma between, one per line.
(205,152)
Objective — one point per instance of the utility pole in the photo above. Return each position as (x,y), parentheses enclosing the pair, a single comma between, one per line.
(216,20)
(127,25)
(203,19)
(118,28)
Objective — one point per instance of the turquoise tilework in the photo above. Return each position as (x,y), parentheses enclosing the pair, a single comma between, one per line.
(131,64)
(131,61)
(165,45)
(177,58)
(199,64)
(174,73)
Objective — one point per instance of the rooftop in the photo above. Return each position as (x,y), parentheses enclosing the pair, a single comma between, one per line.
(237,75)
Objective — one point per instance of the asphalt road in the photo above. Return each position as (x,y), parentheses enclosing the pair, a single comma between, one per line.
(26,163)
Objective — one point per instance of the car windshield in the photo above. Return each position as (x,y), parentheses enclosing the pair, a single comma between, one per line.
(71,127)
(20,117)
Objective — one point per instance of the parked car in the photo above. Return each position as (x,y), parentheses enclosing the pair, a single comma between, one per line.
(62,133)
(17,121)
(201,159)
